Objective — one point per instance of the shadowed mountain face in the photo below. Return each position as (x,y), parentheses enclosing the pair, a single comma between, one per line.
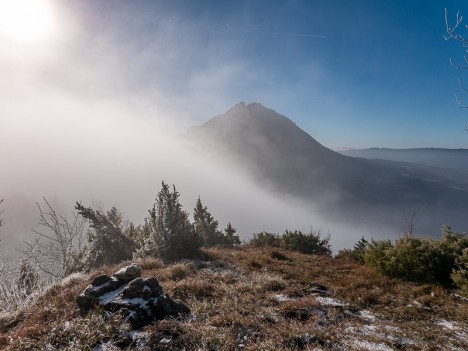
(282,157)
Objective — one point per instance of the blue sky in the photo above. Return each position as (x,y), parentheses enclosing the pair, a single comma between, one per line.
(380,77)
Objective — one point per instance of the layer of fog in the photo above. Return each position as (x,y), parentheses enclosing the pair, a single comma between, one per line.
(82,121)
(107,152)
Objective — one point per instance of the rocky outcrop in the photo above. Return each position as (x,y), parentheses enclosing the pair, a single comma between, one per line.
(140,300)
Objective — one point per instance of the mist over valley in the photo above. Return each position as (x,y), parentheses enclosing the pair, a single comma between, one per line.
(252,166)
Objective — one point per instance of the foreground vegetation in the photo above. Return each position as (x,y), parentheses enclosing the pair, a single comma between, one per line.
(255,299)
(424,260)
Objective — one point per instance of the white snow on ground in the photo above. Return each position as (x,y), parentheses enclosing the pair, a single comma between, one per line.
(107,346)
(108,297)
(367,315)
(166,341)
(446,324)
(137,301)
(366,345)
(328,301)
(283,298)
(373,337)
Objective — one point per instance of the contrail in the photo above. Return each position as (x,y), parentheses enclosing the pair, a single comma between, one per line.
(277,33)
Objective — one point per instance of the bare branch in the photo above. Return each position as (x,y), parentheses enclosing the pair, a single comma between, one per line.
(411,220)
(451,31)
(459,103)
(456,66)
(55,245)
(1,212)
(461,85)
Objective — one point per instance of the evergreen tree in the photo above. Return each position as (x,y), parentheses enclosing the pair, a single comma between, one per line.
(230,234)
(170,235)
(107,243)
(360,249)
(206,226)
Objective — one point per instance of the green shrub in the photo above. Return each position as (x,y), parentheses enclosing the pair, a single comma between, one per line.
(421,260)
(264,239)
(460,272)
(310,243)
(378,254)
(357,252)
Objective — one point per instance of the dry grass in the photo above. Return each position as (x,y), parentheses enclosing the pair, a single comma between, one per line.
(258,299)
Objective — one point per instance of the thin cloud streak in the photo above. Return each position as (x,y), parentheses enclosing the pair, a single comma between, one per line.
(276,33)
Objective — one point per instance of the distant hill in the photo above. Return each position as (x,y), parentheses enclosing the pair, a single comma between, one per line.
(284,158)
(454,159)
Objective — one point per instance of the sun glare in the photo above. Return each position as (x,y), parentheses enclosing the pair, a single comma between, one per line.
(26,20)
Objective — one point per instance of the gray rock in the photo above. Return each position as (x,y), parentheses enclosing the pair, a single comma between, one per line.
(100,286)
(128,273)
(100,280)
(141,300)
(144,288)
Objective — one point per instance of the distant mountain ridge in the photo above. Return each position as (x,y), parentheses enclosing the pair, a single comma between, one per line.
(281,156)
(444,158)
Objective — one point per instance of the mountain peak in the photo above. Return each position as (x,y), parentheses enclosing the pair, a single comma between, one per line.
(242,106)
(257,135)
(253,113)
(252,122)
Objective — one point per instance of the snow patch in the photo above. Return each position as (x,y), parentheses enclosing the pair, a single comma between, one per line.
(371,346)
(166,341)
(367,315)
(107,346)
(447,325)
(283,298)
(108,297)
(328,301)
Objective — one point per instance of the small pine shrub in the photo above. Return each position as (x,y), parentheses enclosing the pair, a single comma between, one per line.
(359,250)
(169,234)
(421,260)
(107,242)
(310,243)
(230,237)
(460,272)
(264,239)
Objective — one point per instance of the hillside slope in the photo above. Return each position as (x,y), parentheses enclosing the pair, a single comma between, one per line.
(253,299)
(284,158)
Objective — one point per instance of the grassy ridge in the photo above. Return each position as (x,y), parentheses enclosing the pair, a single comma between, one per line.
(256,299)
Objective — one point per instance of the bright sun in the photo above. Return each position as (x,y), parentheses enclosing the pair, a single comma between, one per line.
(26,20)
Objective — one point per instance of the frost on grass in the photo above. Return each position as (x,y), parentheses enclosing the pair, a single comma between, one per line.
(328,301)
